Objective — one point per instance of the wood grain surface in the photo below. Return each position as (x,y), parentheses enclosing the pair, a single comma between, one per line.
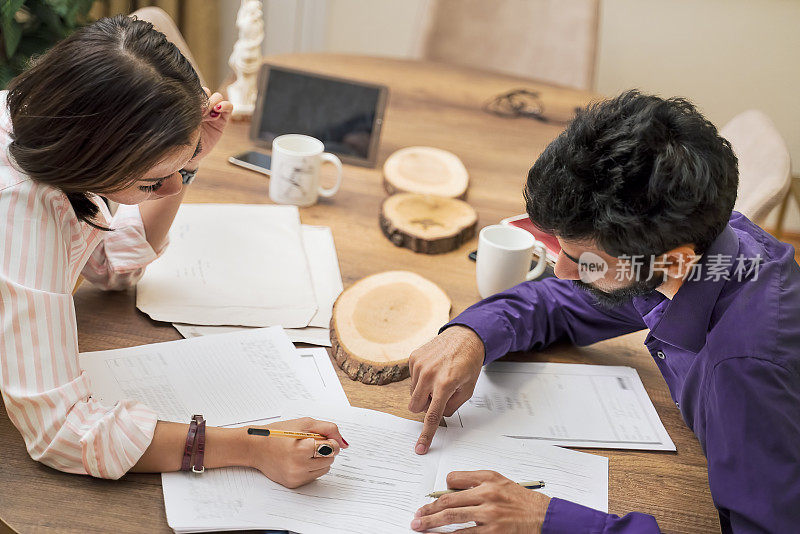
(426,223)
(430,104)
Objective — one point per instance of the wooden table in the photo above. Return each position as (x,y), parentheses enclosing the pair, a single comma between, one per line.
(430,104)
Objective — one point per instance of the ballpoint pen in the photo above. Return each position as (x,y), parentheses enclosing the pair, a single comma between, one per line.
(283,433)
(536,484)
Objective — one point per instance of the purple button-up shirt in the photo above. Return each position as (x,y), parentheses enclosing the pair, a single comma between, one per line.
(728,346)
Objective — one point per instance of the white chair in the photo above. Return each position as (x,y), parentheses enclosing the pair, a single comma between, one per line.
(764,163)
(549,40)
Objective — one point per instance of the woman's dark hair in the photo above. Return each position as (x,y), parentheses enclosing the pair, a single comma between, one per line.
(101,107)
(638,174)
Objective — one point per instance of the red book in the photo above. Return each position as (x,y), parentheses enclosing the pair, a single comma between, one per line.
(549,240)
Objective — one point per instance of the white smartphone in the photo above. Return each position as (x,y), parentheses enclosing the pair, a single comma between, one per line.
(252,160)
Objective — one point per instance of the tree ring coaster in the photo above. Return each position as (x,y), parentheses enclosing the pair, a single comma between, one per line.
(380,320)
(427,223)
(425,170)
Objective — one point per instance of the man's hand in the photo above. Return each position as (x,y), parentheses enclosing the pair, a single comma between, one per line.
(443,376)
(494,502)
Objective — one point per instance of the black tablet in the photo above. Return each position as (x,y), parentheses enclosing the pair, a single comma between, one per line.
(346,115)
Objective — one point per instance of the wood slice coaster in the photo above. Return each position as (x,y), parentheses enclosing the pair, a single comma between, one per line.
(427,223)
(425,170)
(380,320)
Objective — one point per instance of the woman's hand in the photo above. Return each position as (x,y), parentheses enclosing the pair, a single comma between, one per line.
(291,462)
(494,502)
(215,118)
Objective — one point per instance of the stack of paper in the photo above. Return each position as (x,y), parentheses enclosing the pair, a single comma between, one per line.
(231,266)
(254,376)
(376,484)
(230,379)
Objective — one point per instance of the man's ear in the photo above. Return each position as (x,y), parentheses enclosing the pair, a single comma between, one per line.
(679,261)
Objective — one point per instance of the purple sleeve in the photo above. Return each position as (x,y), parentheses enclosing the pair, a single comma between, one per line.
(564,517)
(751,424)
(535,314)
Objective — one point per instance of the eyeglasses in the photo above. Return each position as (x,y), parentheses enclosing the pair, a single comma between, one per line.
(522,103)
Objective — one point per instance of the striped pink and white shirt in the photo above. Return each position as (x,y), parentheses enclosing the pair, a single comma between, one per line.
(44,250)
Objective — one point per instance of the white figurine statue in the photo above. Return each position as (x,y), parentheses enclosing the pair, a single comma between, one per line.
(246,58)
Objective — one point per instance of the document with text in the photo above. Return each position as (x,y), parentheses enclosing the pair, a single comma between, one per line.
(327,281)
(231,264)
(229,378)
(376,484)
(592,406)
(311,334)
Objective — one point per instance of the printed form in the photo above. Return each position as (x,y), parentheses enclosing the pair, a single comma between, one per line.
(376,484)
(592,406)
(229,378)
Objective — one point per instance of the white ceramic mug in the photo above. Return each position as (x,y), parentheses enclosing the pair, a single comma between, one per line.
(504,258)
(294,179)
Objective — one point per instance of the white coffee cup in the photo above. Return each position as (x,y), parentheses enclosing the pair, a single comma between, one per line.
(504,258)
(294,179)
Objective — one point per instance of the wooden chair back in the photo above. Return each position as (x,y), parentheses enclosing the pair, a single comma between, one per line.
(764,163)
(549,40)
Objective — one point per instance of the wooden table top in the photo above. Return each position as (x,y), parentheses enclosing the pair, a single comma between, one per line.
(429,104)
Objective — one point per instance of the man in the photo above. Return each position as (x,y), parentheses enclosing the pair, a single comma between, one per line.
(646,186)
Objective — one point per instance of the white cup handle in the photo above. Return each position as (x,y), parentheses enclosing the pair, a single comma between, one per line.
(330,158)
(541,265)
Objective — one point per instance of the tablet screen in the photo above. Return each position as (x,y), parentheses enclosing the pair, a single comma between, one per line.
(340,114)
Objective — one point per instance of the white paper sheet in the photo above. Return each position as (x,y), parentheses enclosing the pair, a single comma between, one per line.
(325,274)
(229,378)
(376,485)
(580,478)
(327,280)
(320,365)
(231,264)
(317,363)
(593,406)
(309,334)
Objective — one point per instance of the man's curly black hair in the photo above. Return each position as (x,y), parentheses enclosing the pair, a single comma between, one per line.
(638,175)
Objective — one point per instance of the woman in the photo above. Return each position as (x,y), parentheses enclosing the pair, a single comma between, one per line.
(114,110)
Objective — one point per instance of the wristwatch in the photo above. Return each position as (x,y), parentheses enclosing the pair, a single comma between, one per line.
(187,176)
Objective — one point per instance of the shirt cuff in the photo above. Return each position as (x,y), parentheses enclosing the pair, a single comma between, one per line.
(493,330)
(127,247)
(565,517)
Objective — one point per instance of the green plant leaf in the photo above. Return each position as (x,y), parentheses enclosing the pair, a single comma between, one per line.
(79,9)
(6,73)
(34,44)
(12,33)
(9,8)
(50,20)
(60,7)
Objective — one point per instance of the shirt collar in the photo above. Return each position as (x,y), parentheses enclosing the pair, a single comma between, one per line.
(683,321)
